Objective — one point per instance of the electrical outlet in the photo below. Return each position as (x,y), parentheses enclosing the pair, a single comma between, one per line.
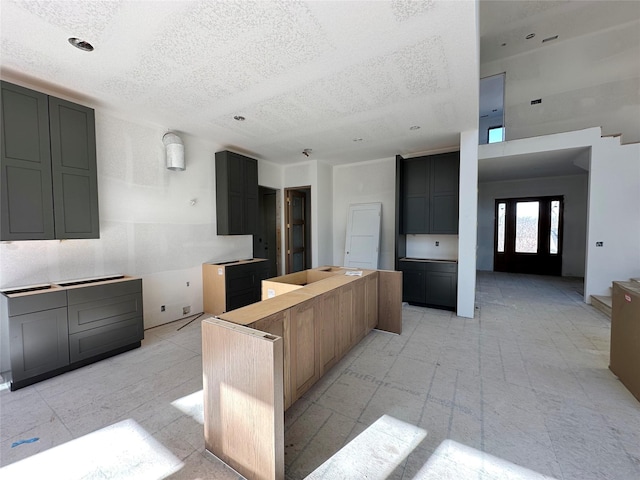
(188,284)
(186,310)
(162,309)
(437,244)
(599,244)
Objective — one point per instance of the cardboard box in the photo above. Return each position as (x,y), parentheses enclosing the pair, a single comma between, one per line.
(625,335)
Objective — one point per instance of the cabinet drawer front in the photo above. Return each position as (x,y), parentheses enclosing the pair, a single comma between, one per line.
(100,340)
(104,312)
(37,302)
(441,267)
(242,298)
(98,292)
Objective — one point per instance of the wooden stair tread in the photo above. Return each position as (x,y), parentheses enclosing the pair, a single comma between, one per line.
(602,303)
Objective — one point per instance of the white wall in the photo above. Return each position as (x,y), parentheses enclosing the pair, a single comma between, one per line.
(365,182)
(467,223)
(322,198)
(614,215)
(587,81)
(424,246)
(574,189)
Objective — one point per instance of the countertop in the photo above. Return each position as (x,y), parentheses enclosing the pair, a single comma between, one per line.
(22,291)
(431,260)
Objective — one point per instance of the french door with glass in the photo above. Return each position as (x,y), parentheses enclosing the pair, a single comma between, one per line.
(528,235)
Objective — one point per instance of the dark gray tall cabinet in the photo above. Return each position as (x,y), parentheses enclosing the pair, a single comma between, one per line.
(430,194)
(236,194)
(48,164)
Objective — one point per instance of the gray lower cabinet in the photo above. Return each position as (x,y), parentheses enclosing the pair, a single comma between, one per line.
(429,283)
(47,333)
(38,335)
(243,284)
(103,318)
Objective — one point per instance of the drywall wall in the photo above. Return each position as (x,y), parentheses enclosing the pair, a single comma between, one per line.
(322,198)
(573,97)
(365,182)
(437,247)
(614,215)
(574,190)
(613,210)
(467,222)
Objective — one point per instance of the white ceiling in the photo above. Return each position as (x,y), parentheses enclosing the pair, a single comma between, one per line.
(304,74)
(534,165)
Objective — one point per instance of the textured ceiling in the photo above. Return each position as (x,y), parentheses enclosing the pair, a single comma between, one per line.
(304,74)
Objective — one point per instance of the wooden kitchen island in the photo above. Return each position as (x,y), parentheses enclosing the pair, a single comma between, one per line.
(305,324)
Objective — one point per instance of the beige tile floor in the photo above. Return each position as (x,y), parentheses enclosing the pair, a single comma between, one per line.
(520,391)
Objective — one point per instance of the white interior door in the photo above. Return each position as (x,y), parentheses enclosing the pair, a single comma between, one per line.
(363,235)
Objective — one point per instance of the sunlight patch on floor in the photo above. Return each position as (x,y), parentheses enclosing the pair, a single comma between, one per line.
(119,451)
(455,460)
(192,405)
(375,453)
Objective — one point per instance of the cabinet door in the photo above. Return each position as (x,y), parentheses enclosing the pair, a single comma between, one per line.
(75,175)
(444,181)
(415,196)
(279,324)
(358,319)
(344,324)
(251,208)
(39,343)
(329,305)
(371,301)
(26,204)
(413,282)
(441,289)
(236,194)
(305,358)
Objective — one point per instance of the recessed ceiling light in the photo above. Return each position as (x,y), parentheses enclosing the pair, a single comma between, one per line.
(307,151)
(504,45)
(415,127)
(357,139)
(81,44)
(530,36)
(548,39)
(239,118)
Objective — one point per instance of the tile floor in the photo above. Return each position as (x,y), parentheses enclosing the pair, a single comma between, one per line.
(520,391)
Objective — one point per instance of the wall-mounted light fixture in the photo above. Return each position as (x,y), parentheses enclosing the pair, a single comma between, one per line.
(175,151)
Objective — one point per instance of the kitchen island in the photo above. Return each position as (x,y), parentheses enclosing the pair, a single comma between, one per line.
(315,317)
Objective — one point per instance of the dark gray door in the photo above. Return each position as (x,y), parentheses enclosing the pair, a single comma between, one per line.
(27,200)
(265,241)
(39,343)
(75,176)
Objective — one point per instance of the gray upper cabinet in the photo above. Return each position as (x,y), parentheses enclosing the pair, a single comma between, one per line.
(445,178)
(27,196)
(236,194)
(416,185)
(49,173)
(430,194)
(74,169)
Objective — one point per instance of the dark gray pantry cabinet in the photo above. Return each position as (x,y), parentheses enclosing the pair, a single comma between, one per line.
(49,187)
(236,194)
(52,329)
(429,194)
